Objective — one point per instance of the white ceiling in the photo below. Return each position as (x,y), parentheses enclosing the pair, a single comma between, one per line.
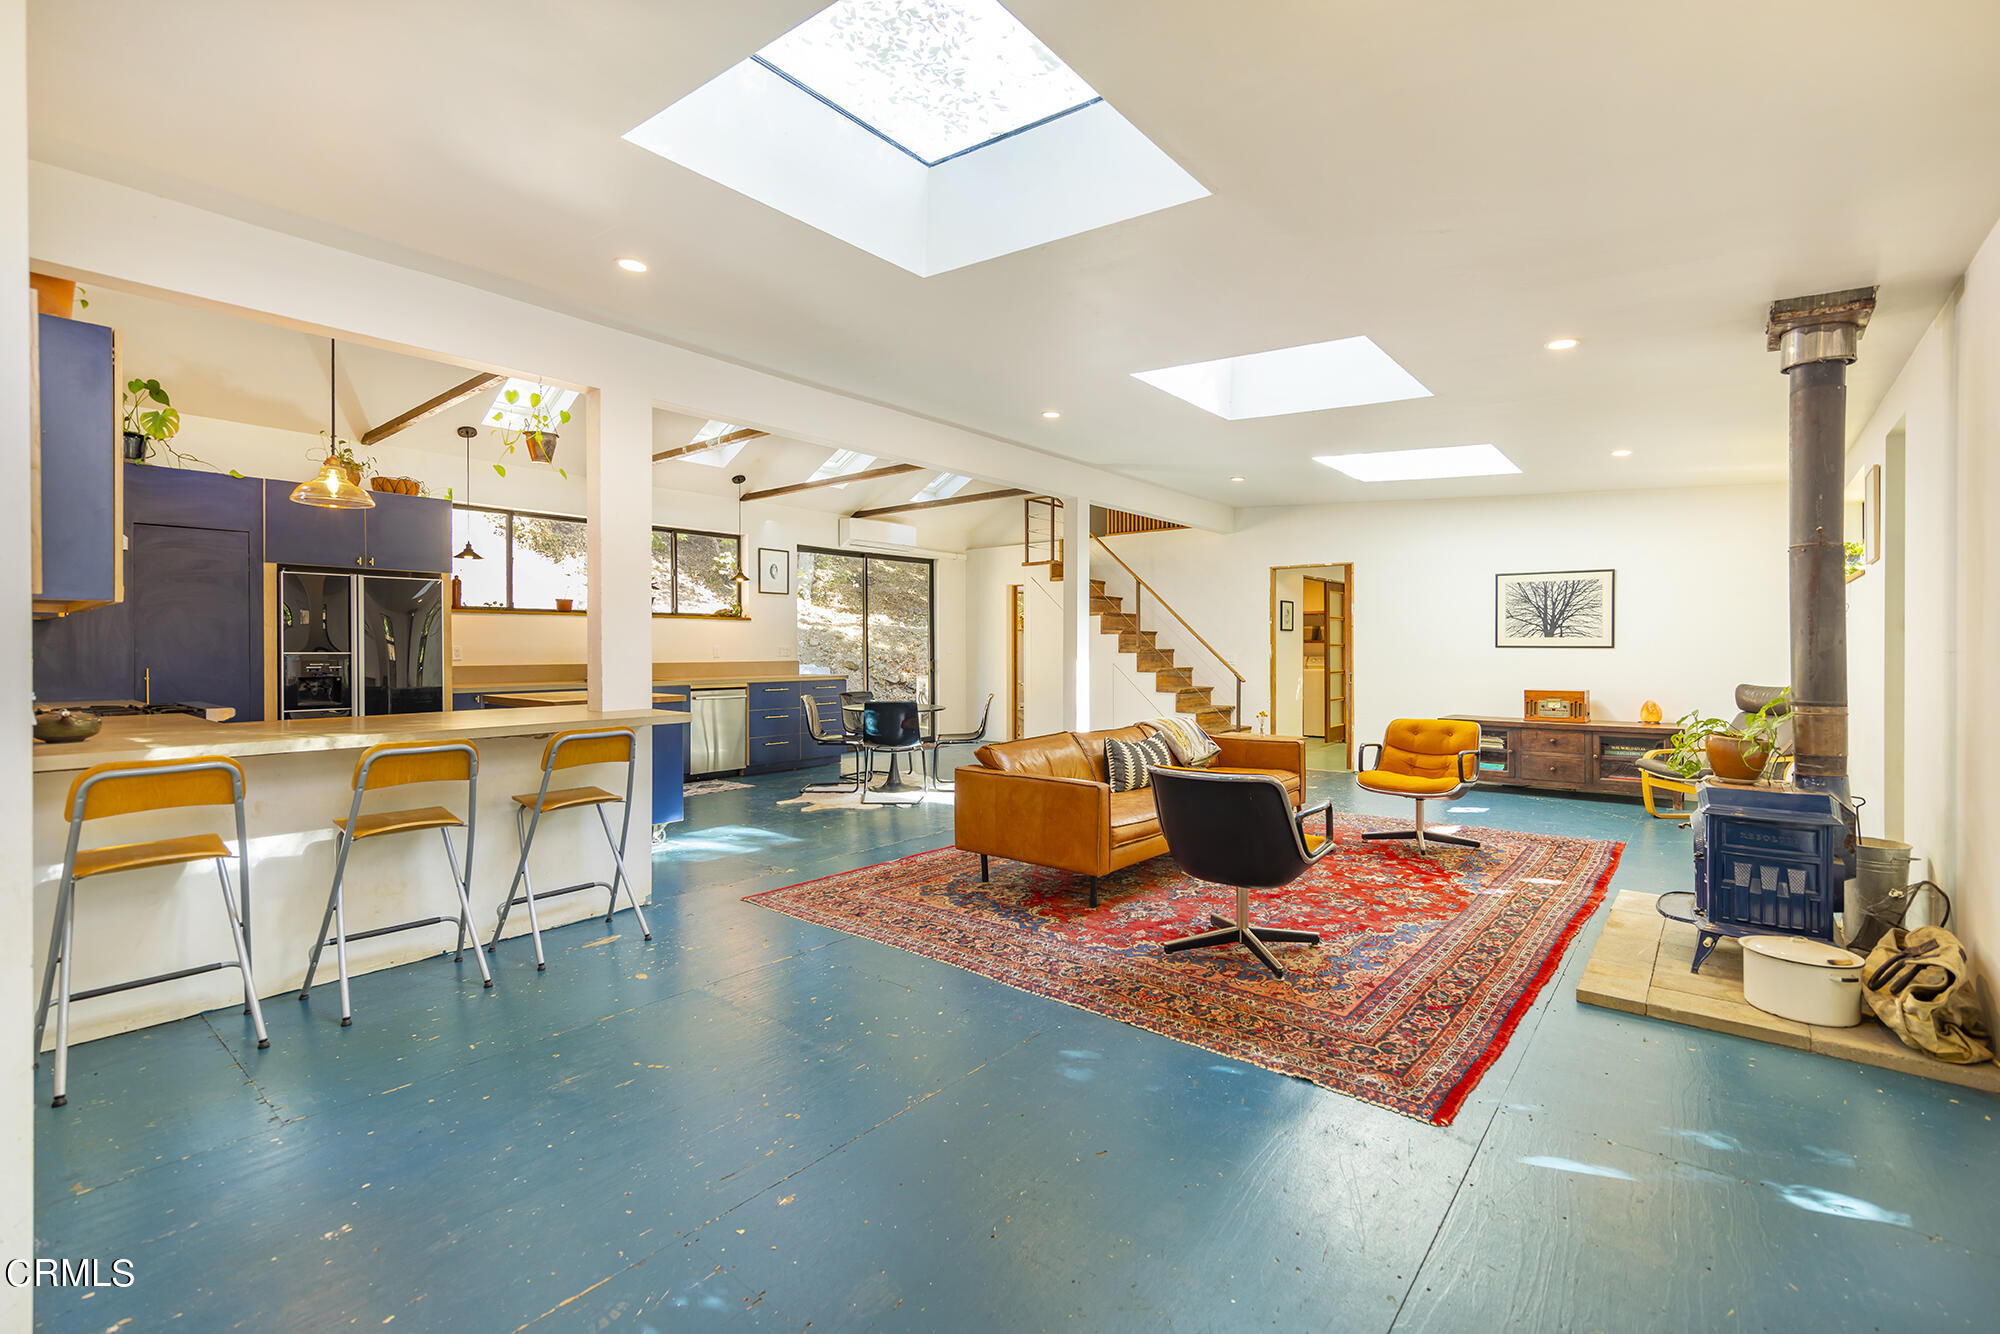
(1460,183)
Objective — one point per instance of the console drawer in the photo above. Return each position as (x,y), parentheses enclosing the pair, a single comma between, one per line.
(1549,741)
(1566,770)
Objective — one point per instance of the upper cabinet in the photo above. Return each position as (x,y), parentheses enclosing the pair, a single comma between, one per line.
(78,484)
(403,533)
(409,533)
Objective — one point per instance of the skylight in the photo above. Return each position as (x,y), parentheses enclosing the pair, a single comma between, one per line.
(514,416)
(721,455)
(1345,373)
(943,485)
(1421,465)
(936,78)
(843,462)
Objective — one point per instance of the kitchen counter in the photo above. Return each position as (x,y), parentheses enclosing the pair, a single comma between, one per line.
(176,736)
(550,698)
(481,677)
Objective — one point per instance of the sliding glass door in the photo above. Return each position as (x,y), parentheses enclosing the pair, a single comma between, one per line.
(867,618)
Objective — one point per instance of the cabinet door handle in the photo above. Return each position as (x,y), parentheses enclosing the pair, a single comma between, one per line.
(357,560)
(371,560)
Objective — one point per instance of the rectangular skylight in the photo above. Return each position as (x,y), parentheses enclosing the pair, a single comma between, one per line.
(1417,465)
(936,78)
(844,461)
(943,485)
(721,455)
(1344,373)
(513,416)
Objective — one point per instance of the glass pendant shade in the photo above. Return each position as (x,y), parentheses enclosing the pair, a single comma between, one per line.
(332,490)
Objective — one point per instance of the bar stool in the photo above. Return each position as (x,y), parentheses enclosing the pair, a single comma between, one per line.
(392,765)
(128,789)
(569,750)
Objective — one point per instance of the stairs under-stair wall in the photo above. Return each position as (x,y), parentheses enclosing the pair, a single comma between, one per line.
(1176,685)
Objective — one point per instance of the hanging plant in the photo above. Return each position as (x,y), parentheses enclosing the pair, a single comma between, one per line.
(537,431)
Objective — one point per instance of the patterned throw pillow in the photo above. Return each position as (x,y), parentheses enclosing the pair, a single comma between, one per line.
(1128,764)
(1191,746)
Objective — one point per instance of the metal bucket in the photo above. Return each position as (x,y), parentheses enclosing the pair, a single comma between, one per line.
(1881,868)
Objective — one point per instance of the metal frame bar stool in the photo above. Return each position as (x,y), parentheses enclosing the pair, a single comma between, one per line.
(568,750)
(129,789)
(394,764)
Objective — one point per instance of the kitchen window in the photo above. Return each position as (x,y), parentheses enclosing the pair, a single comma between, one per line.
(525,561)
(694,573)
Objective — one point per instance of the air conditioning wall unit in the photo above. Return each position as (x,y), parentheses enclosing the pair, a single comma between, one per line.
(875,535)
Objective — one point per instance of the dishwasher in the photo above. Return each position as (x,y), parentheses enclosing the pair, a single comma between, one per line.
(719,736)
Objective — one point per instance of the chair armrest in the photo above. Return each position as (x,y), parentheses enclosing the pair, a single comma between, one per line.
(1236,750)
(1306,850)
(1468,766)
(1059,822)
(1361,759)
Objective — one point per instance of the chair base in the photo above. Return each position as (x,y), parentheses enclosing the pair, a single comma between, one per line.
(1253,938)
(1424,836)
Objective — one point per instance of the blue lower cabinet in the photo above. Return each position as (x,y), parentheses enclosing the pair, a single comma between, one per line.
(467,699)
(669,771)
(772,752)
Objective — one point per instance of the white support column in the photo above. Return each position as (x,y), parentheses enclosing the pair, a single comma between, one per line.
(1079,636)
(17,983)
(618,488)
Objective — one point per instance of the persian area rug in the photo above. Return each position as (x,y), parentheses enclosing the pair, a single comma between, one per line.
(1424,967)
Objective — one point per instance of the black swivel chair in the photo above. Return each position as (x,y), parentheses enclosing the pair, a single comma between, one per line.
(893,726)
(939,740)
(1237,829)
(850,739)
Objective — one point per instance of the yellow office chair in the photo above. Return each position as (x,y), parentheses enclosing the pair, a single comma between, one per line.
(1423,759)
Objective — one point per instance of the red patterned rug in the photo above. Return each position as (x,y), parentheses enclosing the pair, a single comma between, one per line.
(1425,964)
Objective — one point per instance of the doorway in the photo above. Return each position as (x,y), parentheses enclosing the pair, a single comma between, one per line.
(1312,660)
(1017,625)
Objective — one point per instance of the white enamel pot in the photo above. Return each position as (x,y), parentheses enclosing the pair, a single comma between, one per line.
(1807,981)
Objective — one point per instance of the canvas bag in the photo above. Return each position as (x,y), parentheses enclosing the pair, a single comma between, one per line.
(1920,984)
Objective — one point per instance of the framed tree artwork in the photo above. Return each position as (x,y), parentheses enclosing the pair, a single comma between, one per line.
(1555,609)
(774,570)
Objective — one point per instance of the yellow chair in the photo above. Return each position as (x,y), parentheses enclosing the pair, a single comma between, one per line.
(1423,759)
(394,764)
(129,789)
(567,750)
(1652,782)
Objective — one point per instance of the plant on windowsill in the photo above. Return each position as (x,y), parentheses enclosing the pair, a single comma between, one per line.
(537,432)
(1737,753)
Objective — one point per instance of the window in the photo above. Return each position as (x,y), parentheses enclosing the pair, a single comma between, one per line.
(869,619)
(720,455)
(842,462)
(943,485)
(936,78)
(694,573)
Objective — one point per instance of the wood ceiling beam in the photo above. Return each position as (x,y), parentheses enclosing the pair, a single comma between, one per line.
(431,407)
(1008,494)
(893,470)
(701,446)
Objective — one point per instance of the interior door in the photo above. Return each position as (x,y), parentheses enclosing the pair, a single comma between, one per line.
(1337,660)
(190,596)
(1017,708)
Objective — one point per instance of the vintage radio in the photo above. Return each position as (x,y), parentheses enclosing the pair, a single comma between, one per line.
(1556,706)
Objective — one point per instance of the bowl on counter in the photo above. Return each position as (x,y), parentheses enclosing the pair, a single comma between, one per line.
(60,725)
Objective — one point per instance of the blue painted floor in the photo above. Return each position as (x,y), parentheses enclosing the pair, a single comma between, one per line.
(756,1122)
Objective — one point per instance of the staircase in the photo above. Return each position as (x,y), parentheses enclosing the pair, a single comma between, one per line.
(1168,679)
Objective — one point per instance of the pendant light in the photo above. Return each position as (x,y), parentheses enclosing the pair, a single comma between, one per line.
(466,433)
(741,577)
(333,489)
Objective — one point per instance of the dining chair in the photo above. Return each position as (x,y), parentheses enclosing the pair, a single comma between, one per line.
(892,727)
(939,740)
(849,738)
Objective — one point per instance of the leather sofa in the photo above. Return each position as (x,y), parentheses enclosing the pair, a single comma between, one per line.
(1045,799)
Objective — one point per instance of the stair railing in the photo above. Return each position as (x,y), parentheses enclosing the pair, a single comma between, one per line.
(1139,601)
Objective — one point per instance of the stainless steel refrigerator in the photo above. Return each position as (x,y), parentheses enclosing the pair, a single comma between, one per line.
(357,644)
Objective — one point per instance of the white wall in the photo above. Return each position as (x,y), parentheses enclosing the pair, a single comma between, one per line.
(1701,597)
(1287,708)
(1975,721)
(17,993)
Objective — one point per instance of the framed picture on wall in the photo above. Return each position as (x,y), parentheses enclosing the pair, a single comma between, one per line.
(1555,609)
(1284,616)
(774,570)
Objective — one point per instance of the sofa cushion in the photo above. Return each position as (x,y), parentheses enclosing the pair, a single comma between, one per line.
(1133,816)
(1093,746)
(1057,755)
(1294,785)
(1192,747)
(1128,764)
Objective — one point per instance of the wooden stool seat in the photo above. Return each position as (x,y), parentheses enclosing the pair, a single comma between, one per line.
(159,852)
(562,798)
(400,822)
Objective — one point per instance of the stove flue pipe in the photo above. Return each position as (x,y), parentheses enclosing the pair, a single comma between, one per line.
(1816,337)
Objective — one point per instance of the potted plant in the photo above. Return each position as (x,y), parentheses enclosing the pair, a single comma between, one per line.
(538,427)
(150,418)
(1740,754)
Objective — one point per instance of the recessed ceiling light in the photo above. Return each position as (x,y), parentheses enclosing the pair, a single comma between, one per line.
(1411,465)
(632,265)
(1236,479)
(1621,453)
(1051,414)
(1344,373)
(1560,344)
